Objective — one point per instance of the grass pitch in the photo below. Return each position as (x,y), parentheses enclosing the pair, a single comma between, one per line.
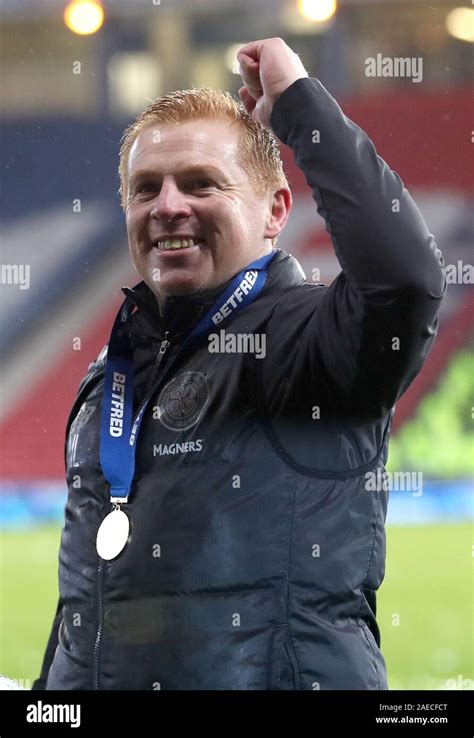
(424,605)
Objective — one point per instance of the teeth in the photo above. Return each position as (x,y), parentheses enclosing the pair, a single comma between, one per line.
(176,243)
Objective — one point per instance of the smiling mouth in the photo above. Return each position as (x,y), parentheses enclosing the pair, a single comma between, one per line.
(177,244)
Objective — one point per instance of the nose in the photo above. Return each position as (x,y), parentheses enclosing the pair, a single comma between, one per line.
(170,204)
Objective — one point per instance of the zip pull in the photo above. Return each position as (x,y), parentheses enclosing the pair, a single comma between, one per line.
(162,350)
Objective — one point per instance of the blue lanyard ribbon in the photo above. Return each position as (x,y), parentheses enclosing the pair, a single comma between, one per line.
(117,436)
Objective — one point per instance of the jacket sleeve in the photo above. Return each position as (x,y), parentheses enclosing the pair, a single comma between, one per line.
(375,324)
(40,683)
(94,370)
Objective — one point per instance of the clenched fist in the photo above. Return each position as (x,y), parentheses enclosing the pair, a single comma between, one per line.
(267,68)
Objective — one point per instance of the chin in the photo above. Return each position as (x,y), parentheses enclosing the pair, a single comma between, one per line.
(175,287)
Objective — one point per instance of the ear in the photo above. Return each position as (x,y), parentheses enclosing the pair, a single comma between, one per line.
(280,208)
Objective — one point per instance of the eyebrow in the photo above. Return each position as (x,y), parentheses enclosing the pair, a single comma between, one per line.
(198,169)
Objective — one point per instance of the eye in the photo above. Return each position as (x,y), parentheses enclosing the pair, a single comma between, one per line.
(145,187)
(201,183)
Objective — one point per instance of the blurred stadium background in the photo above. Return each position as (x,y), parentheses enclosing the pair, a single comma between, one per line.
(67,96)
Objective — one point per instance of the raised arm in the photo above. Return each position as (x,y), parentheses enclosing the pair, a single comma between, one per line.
(372,329)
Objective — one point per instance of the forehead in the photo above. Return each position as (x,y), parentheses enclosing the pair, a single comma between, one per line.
(197,142)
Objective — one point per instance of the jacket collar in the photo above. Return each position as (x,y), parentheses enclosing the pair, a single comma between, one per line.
(177,314)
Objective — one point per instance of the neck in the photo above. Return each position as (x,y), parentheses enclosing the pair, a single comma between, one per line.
(203,295)
(190,299)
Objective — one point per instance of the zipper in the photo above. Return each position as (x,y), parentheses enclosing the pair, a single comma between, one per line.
(164,346)
(98,637)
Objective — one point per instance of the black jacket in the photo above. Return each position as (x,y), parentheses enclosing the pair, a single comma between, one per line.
(257,544)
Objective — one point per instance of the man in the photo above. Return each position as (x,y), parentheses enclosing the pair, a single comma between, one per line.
(220,532)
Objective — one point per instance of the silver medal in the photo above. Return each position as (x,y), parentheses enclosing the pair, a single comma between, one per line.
(112,535)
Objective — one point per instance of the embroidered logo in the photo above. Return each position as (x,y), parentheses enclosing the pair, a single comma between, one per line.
(182,401)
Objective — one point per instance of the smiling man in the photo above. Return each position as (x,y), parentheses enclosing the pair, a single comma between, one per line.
(195,214)
(222,530)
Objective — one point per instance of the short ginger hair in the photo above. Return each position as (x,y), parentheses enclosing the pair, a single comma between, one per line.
(258,151)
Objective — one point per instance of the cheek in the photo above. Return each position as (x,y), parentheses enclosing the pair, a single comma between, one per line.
(237,215)
(223,215)
(130,222)
(135,224)
(236,207)
(248,219)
